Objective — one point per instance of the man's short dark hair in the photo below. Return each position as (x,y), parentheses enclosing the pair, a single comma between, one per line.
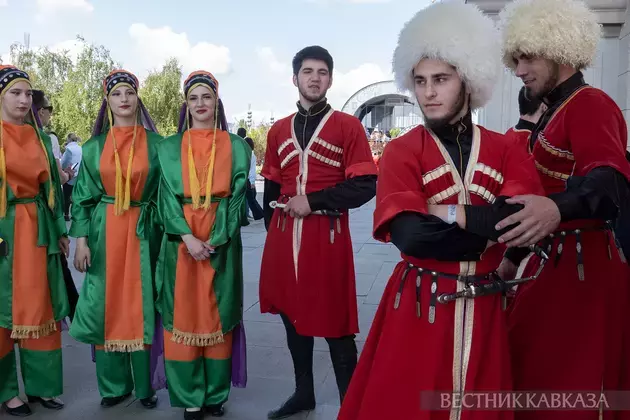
(314,52)
(241,132)
(250,142)
(526,105)
(39,99)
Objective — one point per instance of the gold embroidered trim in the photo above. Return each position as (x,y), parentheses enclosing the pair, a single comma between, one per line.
(197,340)
(21,332)
(489,171)
(436,173)
(482,192)
(124,346)
(288,158)
(554,150)
(324,159)
(441,196)
(329,146)
(550,173)
(284,145)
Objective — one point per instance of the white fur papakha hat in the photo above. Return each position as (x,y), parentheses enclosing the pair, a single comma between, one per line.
(564,31)
(458,34)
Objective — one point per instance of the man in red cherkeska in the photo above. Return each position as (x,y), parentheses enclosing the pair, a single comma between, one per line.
(317,166)
(442,188)
(567,328)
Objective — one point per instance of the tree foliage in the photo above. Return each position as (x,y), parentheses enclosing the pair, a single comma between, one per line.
(162,95)
(75,89)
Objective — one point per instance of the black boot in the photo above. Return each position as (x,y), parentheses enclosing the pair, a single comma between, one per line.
(343,354)
(303,399)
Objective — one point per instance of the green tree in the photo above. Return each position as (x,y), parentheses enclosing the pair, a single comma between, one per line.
(259,135)
(162,95)
(80,98)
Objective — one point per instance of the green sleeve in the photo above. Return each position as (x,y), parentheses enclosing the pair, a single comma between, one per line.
(170,209)
(60,223)
(87,190)
(241,159)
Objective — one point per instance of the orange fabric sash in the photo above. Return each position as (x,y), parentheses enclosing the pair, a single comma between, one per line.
(124,320)
(27,168)
(196,320)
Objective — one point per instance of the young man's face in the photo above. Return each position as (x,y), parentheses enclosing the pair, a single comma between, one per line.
(313,80)
(539,75)
(45,113)
(439,91)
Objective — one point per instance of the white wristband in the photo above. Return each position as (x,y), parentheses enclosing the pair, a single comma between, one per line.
(452,214)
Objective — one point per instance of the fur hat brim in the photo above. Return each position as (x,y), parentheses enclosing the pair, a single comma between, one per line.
(564,31)
(458,34)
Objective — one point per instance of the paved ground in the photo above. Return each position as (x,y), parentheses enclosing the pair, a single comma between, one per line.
(270,371)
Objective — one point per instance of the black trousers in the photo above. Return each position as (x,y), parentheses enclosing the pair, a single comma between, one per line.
(71,289)
(343,354)
(67,198)
(252,203)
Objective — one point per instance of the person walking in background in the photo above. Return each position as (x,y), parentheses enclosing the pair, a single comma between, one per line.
(252,202)
(71,162)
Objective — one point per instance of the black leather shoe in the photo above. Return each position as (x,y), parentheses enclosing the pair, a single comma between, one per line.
(215,410)
(22,411)
(112,401)
(292,406)
(49,404)
(193,415)
(150,402)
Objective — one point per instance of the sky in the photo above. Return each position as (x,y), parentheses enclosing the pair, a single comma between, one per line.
(247,44)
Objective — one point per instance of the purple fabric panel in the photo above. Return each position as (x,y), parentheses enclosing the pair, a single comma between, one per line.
(239,357)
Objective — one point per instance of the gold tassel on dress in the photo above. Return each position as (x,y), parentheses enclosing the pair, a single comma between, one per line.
(3,174)
(122,195)
(197,340)
(195,187)
(21,332)
(123,346)
(207,202)
(192,173)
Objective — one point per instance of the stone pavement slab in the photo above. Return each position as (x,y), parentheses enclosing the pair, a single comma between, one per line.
(270,370)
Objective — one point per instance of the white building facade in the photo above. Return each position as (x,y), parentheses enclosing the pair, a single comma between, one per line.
(610,71)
